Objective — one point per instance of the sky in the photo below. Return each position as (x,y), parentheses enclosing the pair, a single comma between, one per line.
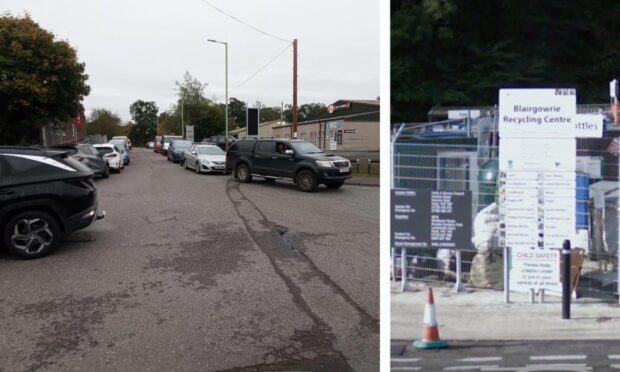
(138,49)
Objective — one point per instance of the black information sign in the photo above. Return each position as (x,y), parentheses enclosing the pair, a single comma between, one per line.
(431,219)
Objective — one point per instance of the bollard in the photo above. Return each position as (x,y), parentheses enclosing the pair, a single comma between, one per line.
(369,166)
(358,165)
(566,280)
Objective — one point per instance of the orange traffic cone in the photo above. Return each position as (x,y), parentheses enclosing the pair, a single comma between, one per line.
(430,337)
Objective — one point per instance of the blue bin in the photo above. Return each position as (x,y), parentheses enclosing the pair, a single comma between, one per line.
(583,196)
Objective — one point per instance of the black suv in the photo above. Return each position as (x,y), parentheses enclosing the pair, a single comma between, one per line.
(44,195)
(304,163)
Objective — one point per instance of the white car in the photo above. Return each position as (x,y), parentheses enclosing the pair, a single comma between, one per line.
(205,158)
(112,155)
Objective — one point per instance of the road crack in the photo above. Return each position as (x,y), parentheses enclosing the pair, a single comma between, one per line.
(302,277)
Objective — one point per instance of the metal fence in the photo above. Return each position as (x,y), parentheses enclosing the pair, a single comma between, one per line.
(463,155)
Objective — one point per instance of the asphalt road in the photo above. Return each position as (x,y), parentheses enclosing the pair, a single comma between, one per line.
(198,273)
(509,356)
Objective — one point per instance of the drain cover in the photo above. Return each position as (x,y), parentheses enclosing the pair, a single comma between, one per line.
(159,219)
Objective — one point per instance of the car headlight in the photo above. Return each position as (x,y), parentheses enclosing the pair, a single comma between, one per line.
(206,162)
(324,163)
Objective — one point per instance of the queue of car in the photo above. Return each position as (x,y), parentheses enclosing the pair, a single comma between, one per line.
(271,158)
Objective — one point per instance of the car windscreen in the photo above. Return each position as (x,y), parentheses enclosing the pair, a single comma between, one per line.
(210,150)
(104,150)
(120,144)
(181,144)
(304,147)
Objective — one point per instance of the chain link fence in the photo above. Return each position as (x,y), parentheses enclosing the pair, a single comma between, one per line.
(463,155)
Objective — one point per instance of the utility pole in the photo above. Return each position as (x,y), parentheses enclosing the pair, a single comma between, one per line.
(295,89)
(282,112)
(182,121)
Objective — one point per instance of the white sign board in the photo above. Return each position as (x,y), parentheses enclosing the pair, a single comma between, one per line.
(537,164)
(531,113)
(189,133)
(533,268)
(588,126)
(463,114)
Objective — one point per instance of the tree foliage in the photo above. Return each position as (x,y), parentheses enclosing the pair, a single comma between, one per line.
(144,116)
(104,122)
(460,52)
(41,80)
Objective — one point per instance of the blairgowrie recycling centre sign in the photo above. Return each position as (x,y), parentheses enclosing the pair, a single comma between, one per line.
(537,195)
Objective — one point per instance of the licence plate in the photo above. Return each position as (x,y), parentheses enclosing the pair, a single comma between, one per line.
(219,167)
(344,170)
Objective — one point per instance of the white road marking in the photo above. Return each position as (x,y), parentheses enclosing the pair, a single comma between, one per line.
(469,368)
(558,357)
(481,359)
(406,368)
(405,360)
(614,356)
(540,367)
(616,366)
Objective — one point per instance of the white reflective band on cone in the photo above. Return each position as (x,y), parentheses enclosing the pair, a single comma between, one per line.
(429,316)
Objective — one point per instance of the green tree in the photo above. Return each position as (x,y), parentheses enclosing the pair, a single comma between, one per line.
(104,122)
(144,115)
(41,80)
(236,113)
(305,112)
(268,114)
(461,52)
(206,116)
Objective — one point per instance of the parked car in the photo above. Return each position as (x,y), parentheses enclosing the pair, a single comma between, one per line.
(92,158)
(45,194)
(165,140)
(113,155)
(205,158)
(150,145)
(176,150)
(124,138)
(122,145)
(304,163)
(219,141)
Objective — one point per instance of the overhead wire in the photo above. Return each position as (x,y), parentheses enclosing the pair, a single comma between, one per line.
(257,72)
(245,23)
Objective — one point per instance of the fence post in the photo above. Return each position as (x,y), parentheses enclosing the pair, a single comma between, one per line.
(458,286)
(506,275)
(403,269)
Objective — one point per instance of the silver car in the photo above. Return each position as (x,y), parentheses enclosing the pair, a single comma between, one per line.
(205,158)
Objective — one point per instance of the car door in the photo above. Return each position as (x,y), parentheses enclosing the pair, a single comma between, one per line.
(262,160)
(96,159)
(190,158)
(284,164)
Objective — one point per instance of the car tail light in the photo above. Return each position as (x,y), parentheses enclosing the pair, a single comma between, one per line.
(78,157)
(110,155)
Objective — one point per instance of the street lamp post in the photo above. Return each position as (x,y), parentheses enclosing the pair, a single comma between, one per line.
(226,114)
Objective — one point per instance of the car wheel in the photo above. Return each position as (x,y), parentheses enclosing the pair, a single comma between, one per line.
(334,184)
(243,173)
(306,181)
(185,165)
(106,172)
(197,167)
(32,234)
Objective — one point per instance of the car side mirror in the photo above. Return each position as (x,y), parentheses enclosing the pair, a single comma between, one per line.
(193,152)
(289,152)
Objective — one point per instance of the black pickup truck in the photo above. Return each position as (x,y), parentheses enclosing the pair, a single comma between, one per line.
(304,163)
